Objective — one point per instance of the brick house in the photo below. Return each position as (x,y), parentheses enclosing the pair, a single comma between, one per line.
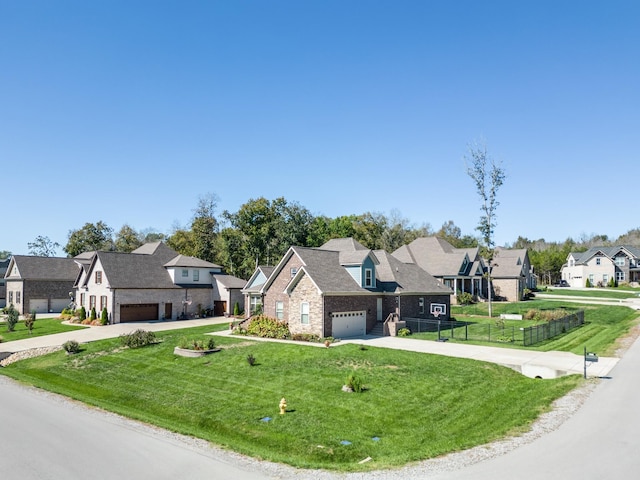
(343,289)
(151,283)
(40,284)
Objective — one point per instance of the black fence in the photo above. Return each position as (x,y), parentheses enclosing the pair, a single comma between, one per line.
(443,330)
(553,328)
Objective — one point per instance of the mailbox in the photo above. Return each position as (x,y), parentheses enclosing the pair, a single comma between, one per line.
(591,357)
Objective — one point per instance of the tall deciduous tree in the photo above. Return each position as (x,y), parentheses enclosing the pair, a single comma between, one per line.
(43,247)
(127,239)
(488,177)
(91,237)
(204,228)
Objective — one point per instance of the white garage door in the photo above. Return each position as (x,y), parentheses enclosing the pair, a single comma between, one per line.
(348,324)
(59,304)
(40,305)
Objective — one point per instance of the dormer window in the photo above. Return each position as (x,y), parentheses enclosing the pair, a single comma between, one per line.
(598,261)
(98,277)
(368,277)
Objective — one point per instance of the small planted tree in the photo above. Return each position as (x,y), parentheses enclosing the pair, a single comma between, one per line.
(93,315)
(236,309)
(82,314)
(104,316)
(30,320)
(12,318)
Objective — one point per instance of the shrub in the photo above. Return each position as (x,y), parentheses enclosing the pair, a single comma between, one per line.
(30,320)
(354,383)
(464,298)
(192,344)
(404,332)
(12,318)
(588,284)
(236,309)
(305,337)
(71,346)
(266,327)
(82,314)
(251,359)
(93,314)
(104,316)
(139,338)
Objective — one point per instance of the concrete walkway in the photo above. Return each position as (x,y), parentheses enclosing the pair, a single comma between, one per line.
(90,334)
(530,363)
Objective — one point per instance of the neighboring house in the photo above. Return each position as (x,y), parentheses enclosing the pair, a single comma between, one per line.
(343,289)
(511,274)
(464,271)
(43,284)
(599,265)
(460,269)
(252,289)
(152,282)
(4,263)
(228,289)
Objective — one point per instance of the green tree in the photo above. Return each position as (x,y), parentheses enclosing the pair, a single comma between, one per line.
(12,318)
(43,247)
(488,177)
(181,241)
(5,254)
(204,228)
(90,237)
(127,239)
(231,252)
(104,316)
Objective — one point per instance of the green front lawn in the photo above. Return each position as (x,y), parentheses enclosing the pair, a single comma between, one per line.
(603,293)
(415,406)
(42,326)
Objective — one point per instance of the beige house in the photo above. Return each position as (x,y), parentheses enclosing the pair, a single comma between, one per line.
(152,283)
(511,274)
(600,265)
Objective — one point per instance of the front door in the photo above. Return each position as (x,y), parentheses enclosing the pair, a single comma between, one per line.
(168,311)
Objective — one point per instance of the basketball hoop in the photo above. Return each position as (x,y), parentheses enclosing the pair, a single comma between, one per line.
(436,313)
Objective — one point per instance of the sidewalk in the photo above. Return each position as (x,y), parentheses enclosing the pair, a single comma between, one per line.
(90,334)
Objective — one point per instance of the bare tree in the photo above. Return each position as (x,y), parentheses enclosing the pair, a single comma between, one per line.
(488,178)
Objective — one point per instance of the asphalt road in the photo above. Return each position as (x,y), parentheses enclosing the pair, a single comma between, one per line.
(45,436)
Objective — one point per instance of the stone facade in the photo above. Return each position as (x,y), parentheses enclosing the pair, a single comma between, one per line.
(306,291)
(36,290)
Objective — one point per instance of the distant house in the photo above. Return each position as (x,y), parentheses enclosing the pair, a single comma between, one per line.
(600,265)
(253,289)
(343,289)
(460,269)
(40,284)
(153,282)
(4,264)
(512,273)
(465,271)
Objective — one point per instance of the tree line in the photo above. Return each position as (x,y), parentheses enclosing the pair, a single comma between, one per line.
(262,230)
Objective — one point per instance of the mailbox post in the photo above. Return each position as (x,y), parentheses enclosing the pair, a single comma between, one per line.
(589,357)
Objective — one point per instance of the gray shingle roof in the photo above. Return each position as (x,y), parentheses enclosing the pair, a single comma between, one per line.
(343,245)
(324,268)
(505,263)
(191,262)
(583,257)
(125,270)
(229,281)
(436,256)
(157,249)
(45,268)
(398,277)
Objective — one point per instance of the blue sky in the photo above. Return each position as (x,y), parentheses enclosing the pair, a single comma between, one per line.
(127,112)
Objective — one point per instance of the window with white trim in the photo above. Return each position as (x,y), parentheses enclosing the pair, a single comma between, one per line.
(196,275)
(185,273)
(620,262)
(368,277)
(98,277)
(620,276)
(103,302)
(279,310)
(598,261)
(304,313)
(421,304)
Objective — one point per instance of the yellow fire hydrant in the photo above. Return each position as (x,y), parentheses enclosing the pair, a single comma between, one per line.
(283,406)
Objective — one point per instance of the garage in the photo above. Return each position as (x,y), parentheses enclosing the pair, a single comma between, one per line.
(138,312)
(59,304)
(348,324)
(40,305)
